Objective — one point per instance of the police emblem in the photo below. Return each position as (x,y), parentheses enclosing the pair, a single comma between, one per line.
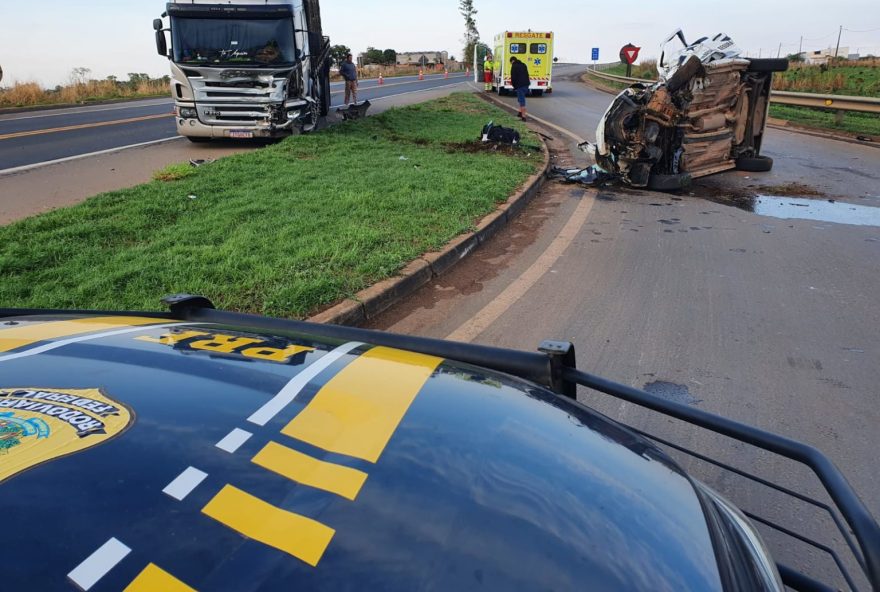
(39,425)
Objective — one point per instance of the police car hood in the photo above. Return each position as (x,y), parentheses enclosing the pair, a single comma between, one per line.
(162,454)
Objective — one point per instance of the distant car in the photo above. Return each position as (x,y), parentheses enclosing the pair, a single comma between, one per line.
(707,114)
(201,449)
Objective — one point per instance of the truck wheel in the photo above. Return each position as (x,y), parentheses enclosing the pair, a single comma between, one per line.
(669,182)
(768,65)
(754,164)
(198,139)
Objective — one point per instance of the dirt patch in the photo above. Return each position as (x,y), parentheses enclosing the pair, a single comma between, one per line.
(793,189)
(477,146)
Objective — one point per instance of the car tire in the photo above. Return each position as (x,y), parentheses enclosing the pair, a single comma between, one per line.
(325,94)
(768,65)
(754,164)
(198,139)
(684,73)
(669,182)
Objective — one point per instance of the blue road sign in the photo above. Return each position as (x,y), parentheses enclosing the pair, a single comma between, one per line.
(595,54)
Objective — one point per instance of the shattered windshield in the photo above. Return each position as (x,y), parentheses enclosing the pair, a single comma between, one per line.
(262,42)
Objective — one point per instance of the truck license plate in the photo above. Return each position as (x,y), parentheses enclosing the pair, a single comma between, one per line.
(241,134)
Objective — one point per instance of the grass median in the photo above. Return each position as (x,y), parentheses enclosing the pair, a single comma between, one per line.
(282,230)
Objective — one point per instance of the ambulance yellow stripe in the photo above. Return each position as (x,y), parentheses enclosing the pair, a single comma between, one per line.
(15,336)
(302,537)
(358,410)
(304,469)
(154,578)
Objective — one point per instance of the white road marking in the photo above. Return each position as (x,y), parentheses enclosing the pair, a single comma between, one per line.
(471,328)
(37,165)
(98,564)
(290,390)
(184,483)
(56,344)
(81,110)
(233,440)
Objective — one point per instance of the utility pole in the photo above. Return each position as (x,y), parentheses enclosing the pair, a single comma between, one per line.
(779,51)
(839,33)
(801,46)
(759,52)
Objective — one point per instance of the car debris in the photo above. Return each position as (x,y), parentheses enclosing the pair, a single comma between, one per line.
(706,114)
(354,110)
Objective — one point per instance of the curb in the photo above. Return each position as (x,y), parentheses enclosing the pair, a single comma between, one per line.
(370,302)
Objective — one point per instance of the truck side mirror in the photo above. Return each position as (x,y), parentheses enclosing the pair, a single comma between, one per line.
(157,24)
(161,45)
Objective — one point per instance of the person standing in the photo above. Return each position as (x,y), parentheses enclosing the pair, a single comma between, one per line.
(488,71)
(349,73)
(519,79)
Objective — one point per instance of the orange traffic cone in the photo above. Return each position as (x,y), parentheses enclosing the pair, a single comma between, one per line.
(381,80)
(421,74)
(445,73)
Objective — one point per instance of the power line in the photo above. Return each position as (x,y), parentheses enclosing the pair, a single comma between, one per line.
(861,31)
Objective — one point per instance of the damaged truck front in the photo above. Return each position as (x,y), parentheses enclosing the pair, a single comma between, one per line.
(706,114)
(252,69)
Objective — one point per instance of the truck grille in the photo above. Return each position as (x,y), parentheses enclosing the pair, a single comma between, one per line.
(237,100)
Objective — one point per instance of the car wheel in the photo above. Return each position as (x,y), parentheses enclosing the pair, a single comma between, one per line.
(754,164)
(768,65)
(684,73)
(198,139)
(669,182)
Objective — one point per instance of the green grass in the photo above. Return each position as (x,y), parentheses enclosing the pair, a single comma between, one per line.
(853,122)
(854,79)
(174,172)
(646,71)
(280,231)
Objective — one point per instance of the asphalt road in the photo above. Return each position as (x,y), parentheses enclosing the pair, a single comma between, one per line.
(770,321)
(53,134)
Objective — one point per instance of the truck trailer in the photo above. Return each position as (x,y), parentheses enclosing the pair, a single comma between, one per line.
(534,49)
(251,69)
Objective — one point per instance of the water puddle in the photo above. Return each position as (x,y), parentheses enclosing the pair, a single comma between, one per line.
(813,209)
(677,393)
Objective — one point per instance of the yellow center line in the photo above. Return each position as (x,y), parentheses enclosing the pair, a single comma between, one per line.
(82,126)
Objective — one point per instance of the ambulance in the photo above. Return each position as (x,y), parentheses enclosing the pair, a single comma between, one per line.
(533,48)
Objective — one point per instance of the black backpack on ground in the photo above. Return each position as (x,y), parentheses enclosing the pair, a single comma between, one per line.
(496,133)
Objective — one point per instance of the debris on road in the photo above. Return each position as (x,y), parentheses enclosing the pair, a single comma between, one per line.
(197,162)
(354,110)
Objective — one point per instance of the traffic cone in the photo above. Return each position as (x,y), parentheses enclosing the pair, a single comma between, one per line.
(381,80)
(445,73)
(421,74)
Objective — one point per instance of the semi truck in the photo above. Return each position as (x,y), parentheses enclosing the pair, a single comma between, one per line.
(249,69)
(534,49)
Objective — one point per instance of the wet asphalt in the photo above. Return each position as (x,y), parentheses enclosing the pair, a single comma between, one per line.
(768,318)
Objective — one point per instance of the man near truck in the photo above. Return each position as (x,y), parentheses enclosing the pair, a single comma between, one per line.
(488,72)
(349,73)
(519,79)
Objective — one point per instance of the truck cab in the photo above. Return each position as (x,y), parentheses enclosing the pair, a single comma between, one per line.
(252,69)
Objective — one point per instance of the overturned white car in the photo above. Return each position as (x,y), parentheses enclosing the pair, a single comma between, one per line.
(705,115)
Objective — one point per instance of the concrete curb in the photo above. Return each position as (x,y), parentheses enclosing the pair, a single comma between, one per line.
(372,301)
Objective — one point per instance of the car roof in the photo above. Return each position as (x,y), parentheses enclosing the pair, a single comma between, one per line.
(220,457)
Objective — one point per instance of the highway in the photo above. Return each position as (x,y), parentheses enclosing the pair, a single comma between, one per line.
(766,320)
(765,317)
(53,134)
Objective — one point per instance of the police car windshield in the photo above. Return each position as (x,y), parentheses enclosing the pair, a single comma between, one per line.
(262,42)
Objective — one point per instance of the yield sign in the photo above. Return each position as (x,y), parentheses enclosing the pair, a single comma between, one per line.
(629,53)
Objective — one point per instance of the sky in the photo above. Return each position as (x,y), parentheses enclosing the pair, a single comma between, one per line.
(44,40)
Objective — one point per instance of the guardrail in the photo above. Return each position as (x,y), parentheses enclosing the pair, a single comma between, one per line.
(837,103)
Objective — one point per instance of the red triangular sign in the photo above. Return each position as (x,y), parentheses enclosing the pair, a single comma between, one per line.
(631,54)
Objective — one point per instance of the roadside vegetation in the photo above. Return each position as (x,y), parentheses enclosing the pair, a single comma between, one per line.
(82,89)
(284,230)
(855,123)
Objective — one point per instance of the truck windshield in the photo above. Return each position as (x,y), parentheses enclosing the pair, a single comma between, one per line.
(239,42)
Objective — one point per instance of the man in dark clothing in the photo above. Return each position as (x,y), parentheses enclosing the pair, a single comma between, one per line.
(349,73)
(519,79)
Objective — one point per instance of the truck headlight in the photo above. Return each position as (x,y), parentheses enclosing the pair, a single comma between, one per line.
(188,113)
